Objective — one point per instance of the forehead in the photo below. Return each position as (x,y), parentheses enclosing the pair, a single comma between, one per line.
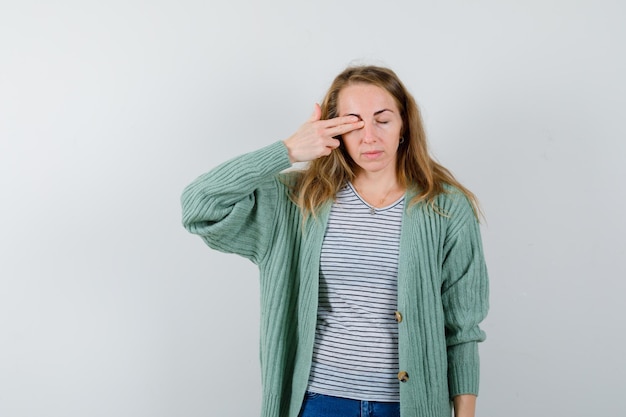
(365,98)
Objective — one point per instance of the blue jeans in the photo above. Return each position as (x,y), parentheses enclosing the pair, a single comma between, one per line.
(319,405)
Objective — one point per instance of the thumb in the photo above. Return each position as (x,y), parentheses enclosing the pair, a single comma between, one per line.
(317,113)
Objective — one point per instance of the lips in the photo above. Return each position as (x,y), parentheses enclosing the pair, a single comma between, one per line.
(372,154)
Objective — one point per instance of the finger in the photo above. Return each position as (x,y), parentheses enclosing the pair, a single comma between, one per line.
(342,120)
(317,113)
(335,143)
(332,144)
(344,128)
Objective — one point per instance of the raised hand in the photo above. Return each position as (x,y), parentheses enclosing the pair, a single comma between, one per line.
(315,138)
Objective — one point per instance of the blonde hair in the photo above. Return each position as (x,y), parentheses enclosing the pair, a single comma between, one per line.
(325,176)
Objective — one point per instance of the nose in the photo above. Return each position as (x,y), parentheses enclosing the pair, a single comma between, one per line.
(369,135)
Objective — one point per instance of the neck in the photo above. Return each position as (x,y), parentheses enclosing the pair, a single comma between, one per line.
(378,189)
(376,181)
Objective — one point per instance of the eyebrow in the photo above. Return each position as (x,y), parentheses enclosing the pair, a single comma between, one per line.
(375,113)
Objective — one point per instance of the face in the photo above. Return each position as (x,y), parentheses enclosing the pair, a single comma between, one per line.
(373,147)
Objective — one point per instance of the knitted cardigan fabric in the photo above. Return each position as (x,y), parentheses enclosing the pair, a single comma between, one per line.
(242,207)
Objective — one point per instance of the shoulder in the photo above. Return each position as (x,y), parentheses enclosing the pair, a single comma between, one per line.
(460,216)
(449,203)
(451,211)
(454,202)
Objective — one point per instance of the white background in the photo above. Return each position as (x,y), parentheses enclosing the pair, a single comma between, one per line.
(108,109)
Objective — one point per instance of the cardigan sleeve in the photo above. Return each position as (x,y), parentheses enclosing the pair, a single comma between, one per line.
(232,207)
(465,296)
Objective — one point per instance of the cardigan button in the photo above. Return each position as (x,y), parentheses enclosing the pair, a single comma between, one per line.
(398,316)
(403,376)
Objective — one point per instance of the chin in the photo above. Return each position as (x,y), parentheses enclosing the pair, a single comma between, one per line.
(371,169)
(374,166)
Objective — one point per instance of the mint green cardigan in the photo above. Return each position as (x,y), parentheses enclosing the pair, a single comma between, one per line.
(242,207)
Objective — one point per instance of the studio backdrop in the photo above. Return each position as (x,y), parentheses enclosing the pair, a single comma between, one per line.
(108,307)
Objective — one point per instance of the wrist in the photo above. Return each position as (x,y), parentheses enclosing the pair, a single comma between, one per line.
(464,405)
(292,159)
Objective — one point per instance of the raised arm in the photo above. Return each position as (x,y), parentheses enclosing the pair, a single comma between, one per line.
(232,207)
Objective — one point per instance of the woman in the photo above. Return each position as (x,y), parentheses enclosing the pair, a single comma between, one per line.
(372,276)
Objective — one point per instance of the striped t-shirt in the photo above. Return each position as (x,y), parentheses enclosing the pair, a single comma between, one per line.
(356,344)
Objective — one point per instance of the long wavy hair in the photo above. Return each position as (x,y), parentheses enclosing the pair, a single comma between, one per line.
(416,168)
